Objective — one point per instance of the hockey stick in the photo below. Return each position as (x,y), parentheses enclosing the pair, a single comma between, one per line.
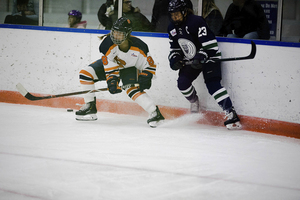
(250,56)
(31,97)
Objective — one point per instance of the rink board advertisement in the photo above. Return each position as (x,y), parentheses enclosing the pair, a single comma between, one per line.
(271,10)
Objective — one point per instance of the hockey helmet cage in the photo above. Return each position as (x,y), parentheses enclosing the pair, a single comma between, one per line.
(122,26)
(76,13)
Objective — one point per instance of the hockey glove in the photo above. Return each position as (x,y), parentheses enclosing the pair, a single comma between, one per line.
(178,65)
(175,60)
(200,58)
(113,85)
(196,64)
(145,78)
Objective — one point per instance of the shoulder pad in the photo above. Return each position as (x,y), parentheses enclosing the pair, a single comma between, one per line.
(105,45)
(136,42)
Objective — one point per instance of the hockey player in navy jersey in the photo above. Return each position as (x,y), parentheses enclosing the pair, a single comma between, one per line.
(193,45)
(125,58)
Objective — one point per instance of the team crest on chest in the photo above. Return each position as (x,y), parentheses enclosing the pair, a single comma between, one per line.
(188,48)
(120,62)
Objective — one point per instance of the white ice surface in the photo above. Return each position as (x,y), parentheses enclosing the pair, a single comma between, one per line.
(46,154)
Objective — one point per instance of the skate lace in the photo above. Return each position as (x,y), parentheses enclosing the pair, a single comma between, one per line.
(228,115)
(153,114)
(85,107)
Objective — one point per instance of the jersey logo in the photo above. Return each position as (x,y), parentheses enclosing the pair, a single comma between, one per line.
(173,32)
(120,62)
(188,48)
(133,55)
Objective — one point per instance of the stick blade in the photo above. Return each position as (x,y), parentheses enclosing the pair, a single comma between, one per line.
(26,94)
(21,89)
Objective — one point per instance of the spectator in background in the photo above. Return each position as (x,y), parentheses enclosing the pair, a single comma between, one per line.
(212,16)
(160,15)
(74,20)
(23,13)
(245,19)
(139,21)
(106,10)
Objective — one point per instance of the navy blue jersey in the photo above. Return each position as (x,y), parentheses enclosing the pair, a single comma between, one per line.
(192,36)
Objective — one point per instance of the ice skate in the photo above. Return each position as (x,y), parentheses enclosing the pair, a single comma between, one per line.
(195,107)
(155,118)
(233,121)
(87,112)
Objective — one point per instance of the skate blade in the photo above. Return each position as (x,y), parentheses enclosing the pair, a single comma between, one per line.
(91,117)
(194,111)
(154,124)
(234,126)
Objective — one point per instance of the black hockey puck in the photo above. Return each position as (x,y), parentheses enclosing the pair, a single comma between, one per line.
(70,110)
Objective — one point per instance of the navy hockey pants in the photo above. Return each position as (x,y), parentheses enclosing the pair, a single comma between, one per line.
(212,78)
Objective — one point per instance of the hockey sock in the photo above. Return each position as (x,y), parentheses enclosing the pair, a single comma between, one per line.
(87,76)
(141,98)
(88,97)
(146,103)
(190,94)
(220,94)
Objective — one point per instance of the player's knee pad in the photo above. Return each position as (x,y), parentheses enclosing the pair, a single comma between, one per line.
(87,76)
(183,83)
(99,69)
(212,71)
(186,76)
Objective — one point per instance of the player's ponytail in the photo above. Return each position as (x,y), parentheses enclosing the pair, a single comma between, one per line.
(103,36)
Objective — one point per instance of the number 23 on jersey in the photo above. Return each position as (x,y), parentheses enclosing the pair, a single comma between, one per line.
(202,31)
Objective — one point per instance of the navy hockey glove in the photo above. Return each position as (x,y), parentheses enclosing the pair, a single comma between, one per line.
(175,59)
(113,85)
(196,64)
(200,58)
(145,78)
(178,65)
